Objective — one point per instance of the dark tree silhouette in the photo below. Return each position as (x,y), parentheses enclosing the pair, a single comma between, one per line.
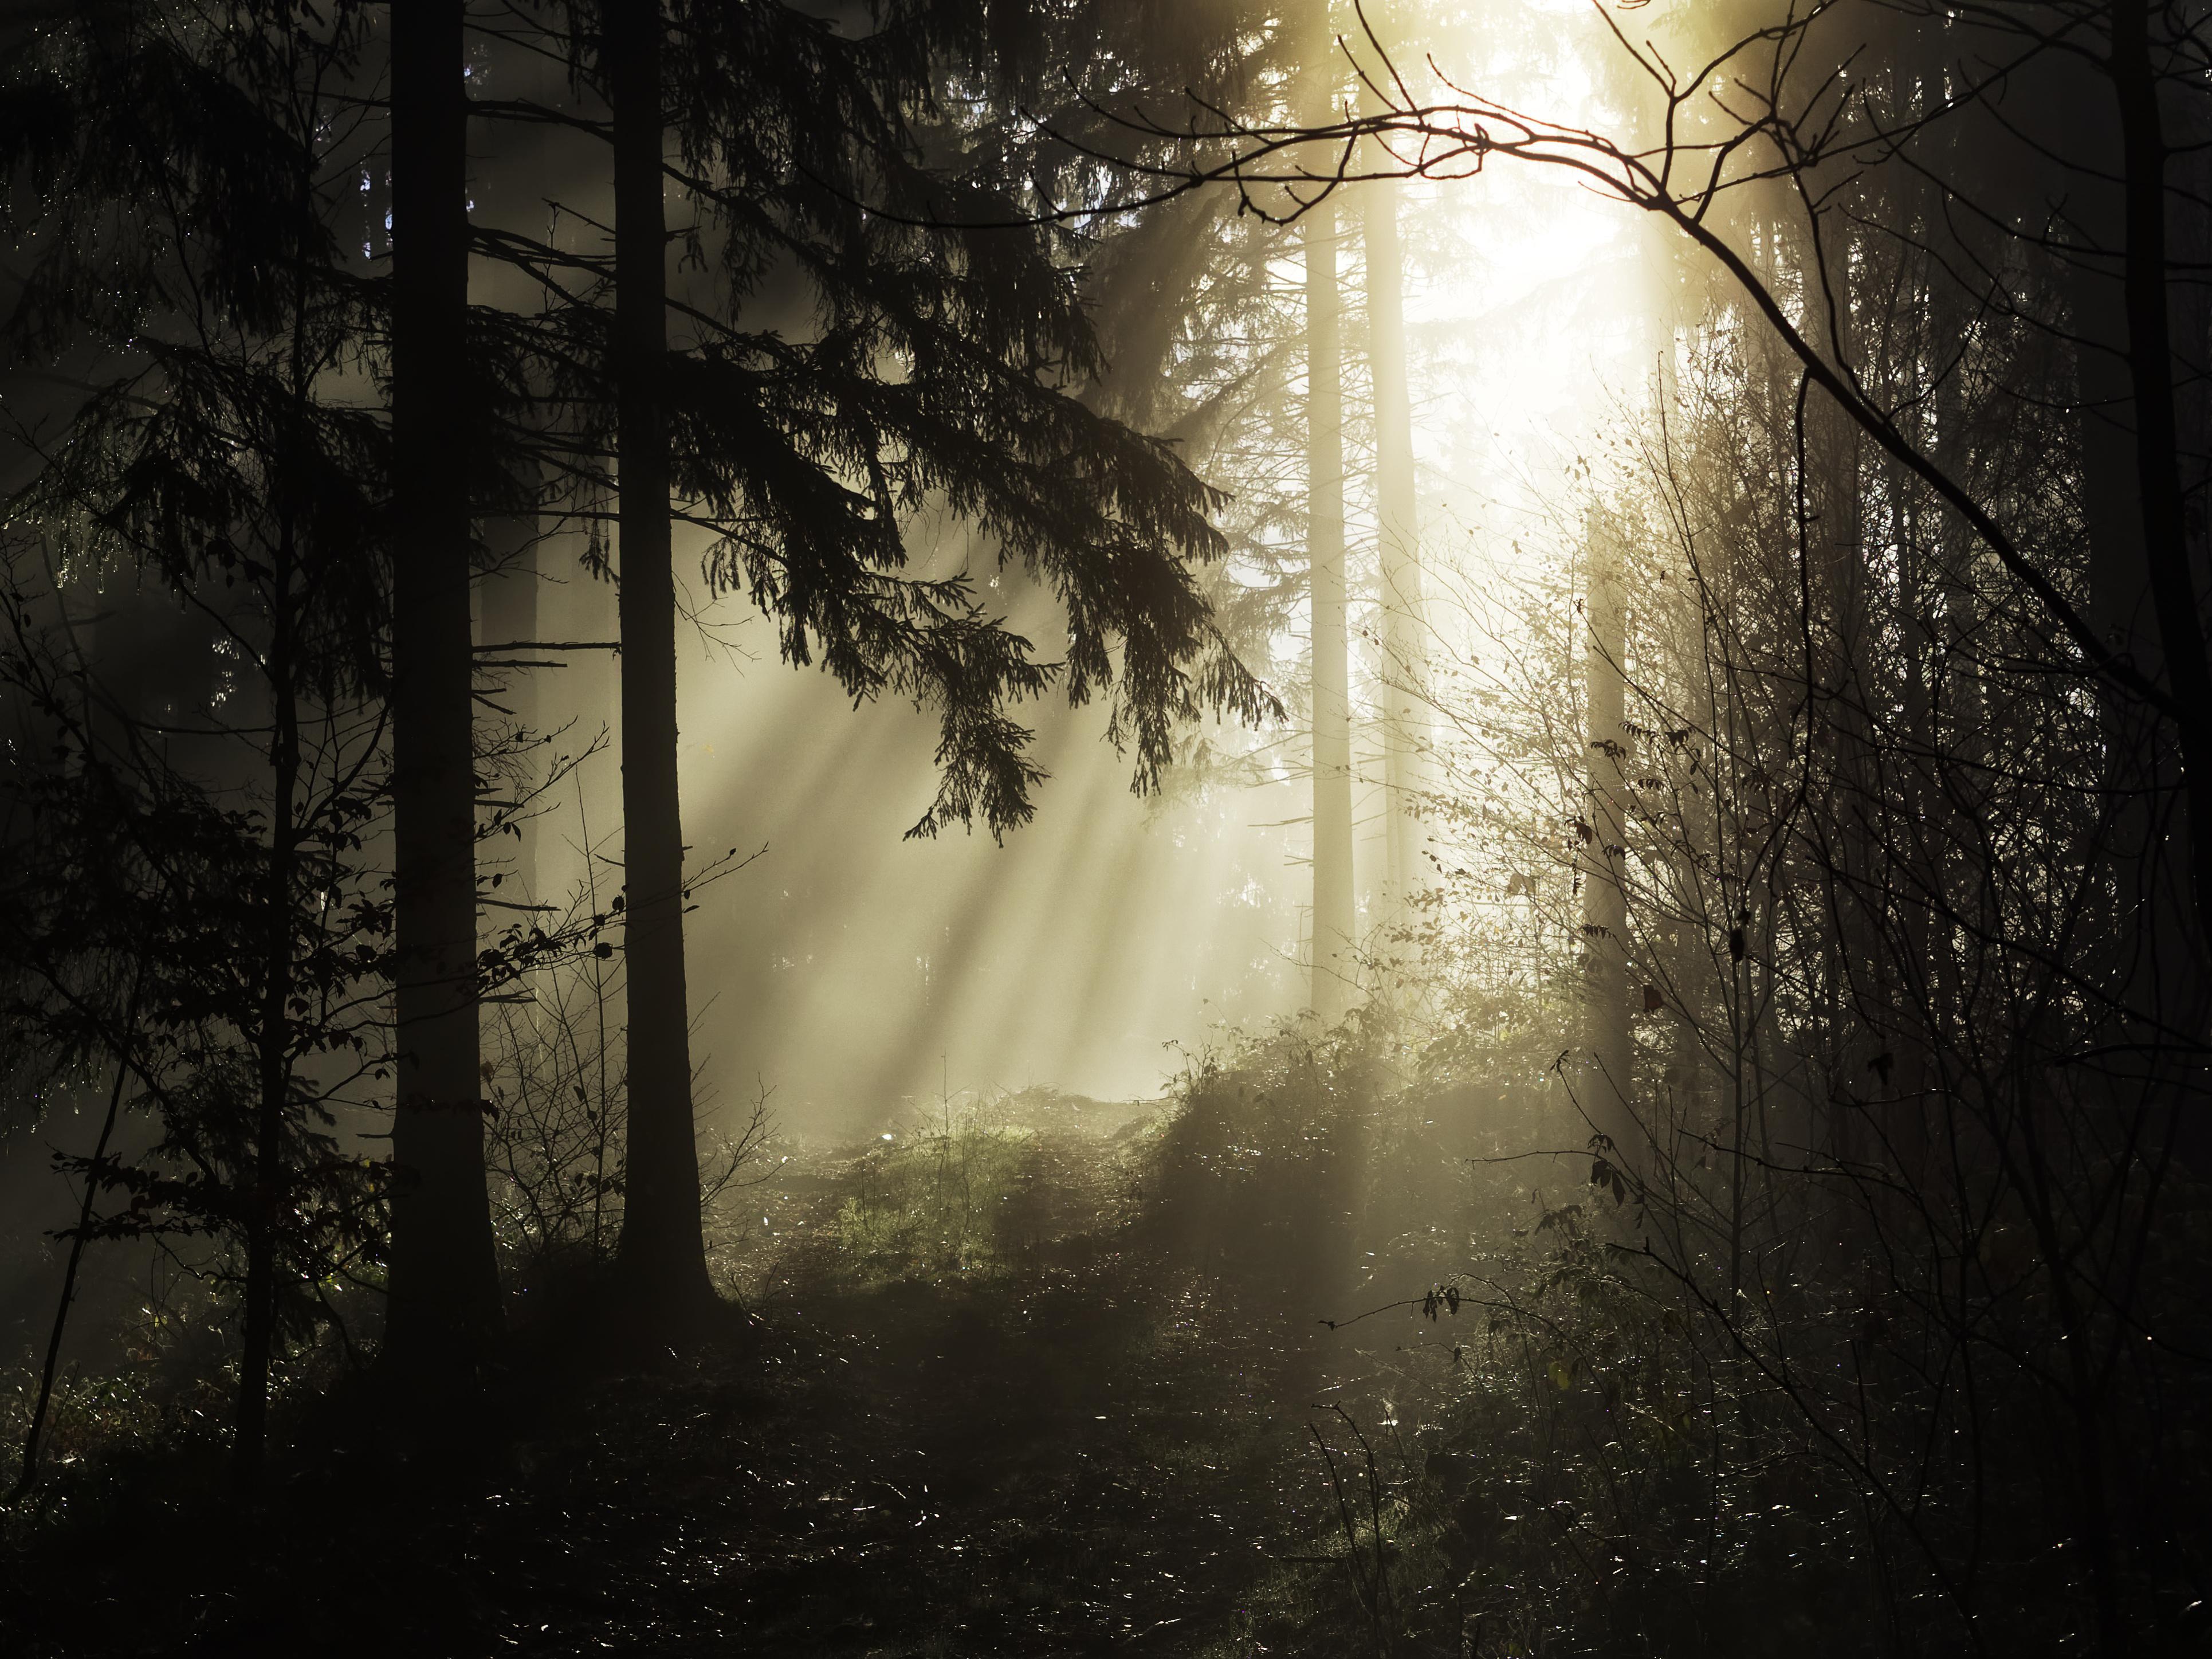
(222,957)
(445,1290)
(661,1255)
(938,376)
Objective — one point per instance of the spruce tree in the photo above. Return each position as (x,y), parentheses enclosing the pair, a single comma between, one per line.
(1397,520)
(662,1255)
(1335,904)
(444,1288)
(938,376)
(191,909)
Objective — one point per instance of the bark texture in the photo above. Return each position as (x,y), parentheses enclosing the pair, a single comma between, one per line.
(508,604)
(662,1259)
(1396,510)
(1607,1091)
(1335,920)
(444,1281)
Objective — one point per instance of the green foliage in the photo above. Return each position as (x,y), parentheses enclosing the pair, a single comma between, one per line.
(1537,1442)
(929,383)
(187,907)
(1256,1178)
(142,1422)
(933,1204)
(977,1188)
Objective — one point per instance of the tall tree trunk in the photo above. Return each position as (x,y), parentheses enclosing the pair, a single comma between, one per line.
(507,601)
(257,1339)
(273,1044)
(444,1278)
(2144,926)
(78,1238)
(1335,922)
(1395,511)
(1335,905)
(2146,155)
(1607,1096)
(662,1258)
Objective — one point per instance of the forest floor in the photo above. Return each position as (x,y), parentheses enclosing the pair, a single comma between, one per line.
(1084,1453)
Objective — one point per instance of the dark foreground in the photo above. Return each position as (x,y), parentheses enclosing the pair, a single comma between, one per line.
(1070,1460)
(1004,1387)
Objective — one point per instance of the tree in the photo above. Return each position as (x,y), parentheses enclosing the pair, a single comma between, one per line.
(936,379)
(1919,613)
(662,1254)
(444,1288)
(221,954)
(1397,525)
(1810,124)
(1602,830)
(1335,905)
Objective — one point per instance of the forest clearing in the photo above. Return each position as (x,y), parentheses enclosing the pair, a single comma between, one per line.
(958,828)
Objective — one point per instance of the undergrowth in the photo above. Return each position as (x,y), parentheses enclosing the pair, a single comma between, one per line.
(1312,1361)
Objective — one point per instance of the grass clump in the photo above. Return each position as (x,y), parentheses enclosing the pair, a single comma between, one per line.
(982,1187)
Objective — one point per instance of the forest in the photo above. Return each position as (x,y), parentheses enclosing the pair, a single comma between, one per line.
(912,829)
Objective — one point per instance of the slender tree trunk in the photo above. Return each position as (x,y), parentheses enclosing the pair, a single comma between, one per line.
(444,1278)
(273,1056)
(2142,924)
(2145,156)
(78,1239)
(1605,894)
(508,598)
(662,1258)
(1395,513)
(1336,921)
(257,1339)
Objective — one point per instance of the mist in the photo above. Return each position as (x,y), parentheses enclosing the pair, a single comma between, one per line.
(952,829)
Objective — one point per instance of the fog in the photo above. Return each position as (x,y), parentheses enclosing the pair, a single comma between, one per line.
(854,971)
(944,830)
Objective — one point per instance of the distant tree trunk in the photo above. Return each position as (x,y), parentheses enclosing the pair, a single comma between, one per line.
(444,1277)
(273,1039)
(1335,923)
(2148,284)
(1335,908)
(508,601)
(272,1043)
(1397,529)
(2146,156)
(2142,920)
(1607,1099)
(79,1237)
(662,1258)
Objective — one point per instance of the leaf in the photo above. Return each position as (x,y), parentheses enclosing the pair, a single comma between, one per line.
(1562,1377)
